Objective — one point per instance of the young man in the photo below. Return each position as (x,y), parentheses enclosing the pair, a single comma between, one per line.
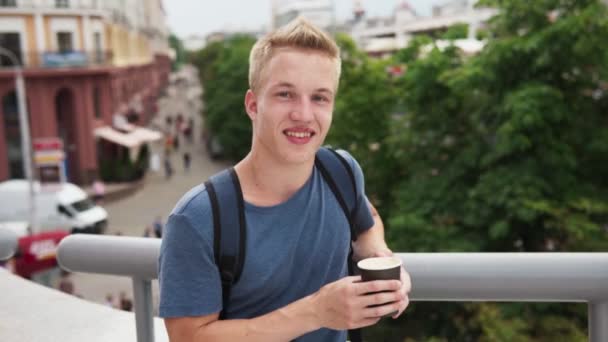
(294,283)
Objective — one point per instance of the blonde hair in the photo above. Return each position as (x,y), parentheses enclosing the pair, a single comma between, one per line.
(299,34)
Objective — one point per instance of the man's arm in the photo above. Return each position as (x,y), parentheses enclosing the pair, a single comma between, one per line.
(340,305)
(371,243)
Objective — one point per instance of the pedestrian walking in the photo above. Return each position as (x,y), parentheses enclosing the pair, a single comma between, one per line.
(176,141)
(66,284)
(99,191)
(110,300)
(186,161)
(168,167)
(126,304)
(148,231)
(179,123)
(169,143)
(188,133)
(155,162)
(158,227)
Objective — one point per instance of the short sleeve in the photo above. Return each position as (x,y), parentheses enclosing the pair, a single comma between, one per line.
(363,219)
(188,277)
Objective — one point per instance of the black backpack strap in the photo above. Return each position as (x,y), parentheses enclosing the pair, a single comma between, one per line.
(339,176)
(229,228)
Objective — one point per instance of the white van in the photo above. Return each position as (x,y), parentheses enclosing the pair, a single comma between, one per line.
(62,205)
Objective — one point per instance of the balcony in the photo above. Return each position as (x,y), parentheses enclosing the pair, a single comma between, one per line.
(71,59)
(17,7)
(503,277)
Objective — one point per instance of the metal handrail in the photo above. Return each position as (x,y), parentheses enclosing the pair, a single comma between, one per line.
(521,277)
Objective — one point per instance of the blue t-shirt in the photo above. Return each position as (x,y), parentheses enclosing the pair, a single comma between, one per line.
(292,250)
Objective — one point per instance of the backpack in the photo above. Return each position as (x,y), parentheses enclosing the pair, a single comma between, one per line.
(229,226)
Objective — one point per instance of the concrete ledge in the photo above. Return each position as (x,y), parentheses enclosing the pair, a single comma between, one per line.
(32,313)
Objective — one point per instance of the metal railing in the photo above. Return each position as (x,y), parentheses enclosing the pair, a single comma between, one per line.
(505,277)
(8,244)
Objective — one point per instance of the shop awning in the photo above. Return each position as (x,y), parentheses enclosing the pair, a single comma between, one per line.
(137,136)
(117,137)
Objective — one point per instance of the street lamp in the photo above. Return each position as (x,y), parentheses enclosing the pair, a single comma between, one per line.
(24,128)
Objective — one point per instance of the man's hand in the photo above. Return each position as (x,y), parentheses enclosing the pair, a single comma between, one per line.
(406,284)
(345,304)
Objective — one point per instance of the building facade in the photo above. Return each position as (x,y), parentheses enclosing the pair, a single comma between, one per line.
(87,63)
(318,12)
(384,36)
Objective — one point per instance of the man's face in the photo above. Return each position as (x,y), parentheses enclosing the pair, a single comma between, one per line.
(292,109)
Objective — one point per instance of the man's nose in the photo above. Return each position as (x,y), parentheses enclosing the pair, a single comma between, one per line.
(302,111)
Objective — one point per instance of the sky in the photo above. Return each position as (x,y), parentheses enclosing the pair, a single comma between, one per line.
(201,17)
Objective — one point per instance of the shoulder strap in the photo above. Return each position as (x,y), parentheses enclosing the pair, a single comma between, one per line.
(340,178)
(229,229)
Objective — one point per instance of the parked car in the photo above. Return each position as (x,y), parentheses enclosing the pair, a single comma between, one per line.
(62,205)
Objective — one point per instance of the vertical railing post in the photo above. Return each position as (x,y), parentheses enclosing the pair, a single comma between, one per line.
(598,321)
(144,322)
(8,244)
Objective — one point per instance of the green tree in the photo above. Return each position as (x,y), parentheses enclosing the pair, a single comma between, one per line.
(362,116)
(456,31)
(507,151)
(224,71)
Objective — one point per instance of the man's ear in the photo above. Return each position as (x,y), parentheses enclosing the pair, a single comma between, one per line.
(251,104)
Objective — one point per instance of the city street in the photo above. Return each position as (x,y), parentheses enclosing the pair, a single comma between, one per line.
(130,216)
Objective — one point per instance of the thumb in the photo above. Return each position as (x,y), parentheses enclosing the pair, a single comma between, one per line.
(383,253)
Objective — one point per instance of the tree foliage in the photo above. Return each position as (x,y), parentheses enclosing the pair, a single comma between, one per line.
(223,68)
(506,151)
(456,31)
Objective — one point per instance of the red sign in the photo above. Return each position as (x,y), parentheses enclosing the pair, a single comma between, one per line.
(48,144)
(38,252)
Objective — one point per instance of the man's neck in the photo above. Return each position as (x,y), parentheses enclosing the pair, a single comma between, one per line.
(266,181)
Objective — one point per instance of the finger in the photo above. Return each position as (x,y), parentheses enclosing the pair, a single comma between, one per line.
(382,298)
(381,311)
(377,286)
(403,305)
(406,280)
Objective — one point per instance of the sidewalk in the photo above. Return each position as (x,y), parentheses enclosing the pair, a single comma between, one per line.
(118,191)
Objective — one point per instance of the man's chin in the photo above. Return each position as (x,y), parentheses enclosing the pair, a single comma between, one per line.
(300,157)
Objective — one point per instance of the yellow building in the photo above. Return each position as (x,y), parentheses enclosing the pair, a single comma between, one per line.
(88,64)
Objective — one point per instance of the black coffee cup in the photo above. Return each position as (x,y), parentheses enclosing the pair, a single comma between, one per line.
(380,268)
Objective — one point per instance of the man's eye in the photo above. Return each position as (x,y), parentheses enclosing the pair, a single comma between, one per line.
(284,94)
(320,98)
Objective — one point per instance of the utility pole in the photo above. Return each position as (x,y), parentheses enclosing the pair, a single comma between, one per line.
(24,128)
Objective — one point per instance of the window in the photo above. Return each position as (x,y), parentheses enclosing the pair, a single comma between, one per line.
(97,43)
(64,42)
(97,103)
(11,42)
(8,3)
(63,210)
(12,135)
(62,3)
(83,205)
